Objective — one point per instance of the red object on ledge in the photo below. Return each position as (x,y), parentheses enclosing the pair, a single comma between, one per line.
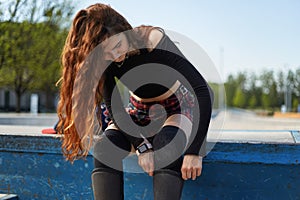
(49,131)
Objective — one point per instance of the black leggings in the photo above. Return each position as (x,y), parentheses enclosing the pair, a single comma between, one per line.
(107,153)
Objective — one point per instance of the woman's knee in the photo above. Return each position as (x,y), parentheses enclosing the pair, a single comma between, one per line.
(169,145)
(170,137)
(111,149)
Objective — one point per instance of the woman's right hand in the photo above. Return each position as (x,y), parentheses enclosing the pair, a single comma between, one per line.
(146,161)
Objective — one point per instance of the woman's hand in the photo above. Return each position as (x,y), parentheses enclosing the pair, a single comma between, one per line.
(191,167)
(146,161)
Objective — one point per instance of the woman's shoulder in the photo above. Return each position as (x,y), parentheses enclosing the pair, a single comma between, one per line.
(155,36)
(151,33)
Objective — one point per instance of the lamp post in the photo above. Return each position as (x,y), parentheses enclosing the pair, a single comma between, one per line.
(221,86)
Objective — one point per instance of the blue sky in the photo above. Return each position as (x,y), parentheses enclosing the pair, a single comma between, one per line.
(254,35)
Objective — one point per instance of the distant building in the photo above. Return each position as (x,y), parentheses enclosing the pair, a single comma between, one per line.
(8,102)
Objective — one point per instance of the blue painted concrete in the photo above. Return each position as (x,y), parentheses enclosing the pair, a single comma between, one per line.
(230,181)
(33,168)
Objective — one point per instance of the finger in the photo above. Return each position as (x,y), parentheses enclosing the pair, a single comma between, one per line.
(142,163)
(146,167)
(183,174)
(194,174)
(150,173)
(199,170)
(151,169)
(150,166)
(189,173)
(147,170)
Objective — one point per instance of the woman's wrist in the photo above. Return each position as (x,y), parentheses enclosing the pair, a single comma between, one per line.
(145,146)
(196,155)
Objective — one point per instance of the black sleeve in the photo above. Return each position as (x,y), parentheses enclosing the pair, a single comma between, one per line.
(172,57)
(118,113)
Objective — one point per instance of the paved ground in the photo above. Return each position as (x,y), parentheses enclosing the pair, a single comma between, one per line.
(233,125)
(235,119)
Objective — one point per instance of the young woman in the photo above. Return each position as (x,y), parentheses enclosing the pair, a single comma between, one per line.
(169,111)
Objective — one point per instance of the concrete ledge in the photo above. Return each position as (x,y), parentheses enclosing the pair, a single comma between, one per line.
(27,119)
(33,168)
(253,136)
(8,197)
(296,136)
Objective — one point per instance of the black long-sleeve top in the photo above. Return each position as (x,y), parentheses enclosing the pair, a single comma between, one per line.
(150,74)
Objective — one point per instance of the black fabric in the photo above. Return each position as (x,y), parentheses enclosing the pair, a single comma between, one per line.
(111,149)
(167,54)
(170,157)
(108,184)
(167,181)
(167,184)
(168,146)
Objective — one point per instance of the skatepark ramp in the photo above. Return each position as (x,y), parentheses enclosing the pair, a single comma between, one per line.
(32,167)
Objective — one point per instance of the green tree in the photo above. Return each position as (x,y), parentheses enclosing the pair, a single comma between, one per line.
(19,63)
(265,100)
(295,104)
(239,99)
(297,83)
(230,87)
(297,89)
(252,102)
(215,88)
(236,93)
(254,92)
(55,11)
(49,70)
(273,96)
(290,79)
(269,90)
(32,36)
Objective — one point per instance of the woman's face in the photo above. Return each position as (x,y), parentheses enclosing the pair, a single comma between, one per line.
(116,47)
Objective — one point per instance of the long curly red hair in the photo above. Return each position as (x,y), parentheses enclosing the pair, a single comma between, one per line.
(90,27)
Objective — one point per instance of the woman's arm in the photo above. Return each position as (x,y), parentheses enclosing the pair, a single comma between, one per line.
(117,112)
(168,54)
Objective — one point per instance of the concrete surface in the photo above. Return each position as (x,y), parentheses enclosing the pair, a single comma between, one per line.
(230,125)
(254,158)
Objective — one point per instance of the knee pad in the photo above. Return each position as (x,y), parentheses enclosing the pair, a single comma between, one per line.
(167,135)
(169,145)
(111,149)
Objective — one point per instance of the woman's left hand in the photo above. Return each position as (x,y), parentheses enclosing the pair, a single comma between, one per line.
(146,161)
(191,167)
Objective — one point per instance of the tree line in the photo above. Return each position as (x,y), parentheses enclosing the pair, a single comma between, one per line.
(32,34)
(268,90)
